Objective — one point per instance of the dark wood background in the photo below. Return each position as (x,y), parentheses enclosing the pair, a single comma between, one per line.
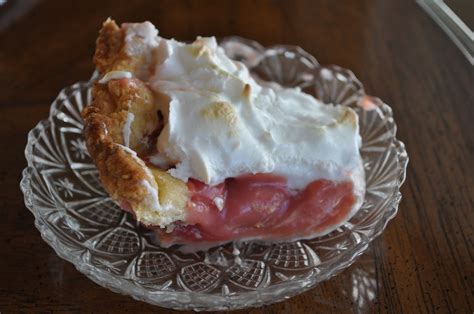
(423,263)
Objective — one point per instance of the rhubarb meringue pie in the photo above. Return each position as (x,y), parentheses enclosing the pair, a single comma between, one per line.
(186,140)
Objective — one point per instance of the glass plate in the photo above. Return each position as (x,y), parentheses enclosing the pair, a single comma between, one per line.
(80,222)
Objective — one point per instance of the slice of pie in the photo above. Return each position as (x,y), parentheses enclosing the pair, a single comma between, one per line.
(189,143)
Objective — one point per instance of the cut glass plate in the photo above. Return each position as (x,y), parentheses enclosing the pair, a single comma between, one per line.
(84,226)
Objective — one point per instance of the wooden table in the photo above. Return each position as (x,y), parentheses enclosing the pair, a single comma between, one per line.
(423,263)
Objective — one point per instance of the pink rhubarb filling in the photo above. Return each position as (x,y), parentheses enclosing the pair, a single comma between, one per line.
(260,206)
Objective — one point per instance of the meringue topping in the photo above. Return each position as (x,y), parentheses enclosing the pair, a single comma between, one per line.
(220,123)
(127,129)
(115,75)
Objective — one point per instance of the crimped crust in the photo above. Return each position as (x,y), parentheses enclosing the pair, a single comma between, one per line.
(137,187)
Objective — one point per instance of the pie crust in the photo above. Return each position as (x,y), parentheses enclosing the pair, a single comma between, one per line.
(124,175)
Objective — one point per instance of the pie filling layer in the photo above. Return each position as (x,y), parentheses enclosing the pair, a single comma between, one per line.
(260,206)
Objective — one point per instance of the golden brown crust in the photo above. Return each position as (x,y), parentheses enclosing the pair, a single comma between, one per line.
(111,52)
(117,105)
(120,173)
(108,46)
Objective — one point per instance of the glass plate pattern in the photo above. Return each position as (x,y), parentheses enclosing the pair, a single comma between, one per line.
(80,222)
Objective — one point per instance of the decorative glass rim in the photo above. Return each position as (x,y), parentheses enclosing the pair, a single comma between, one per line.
(309,74)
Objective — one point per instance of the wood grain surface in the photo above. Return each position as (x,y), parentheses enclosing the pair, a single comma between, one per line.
(424,261)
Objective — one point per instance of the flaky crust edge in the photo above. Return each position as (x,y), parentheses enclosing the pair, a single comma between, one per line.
(121,172)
